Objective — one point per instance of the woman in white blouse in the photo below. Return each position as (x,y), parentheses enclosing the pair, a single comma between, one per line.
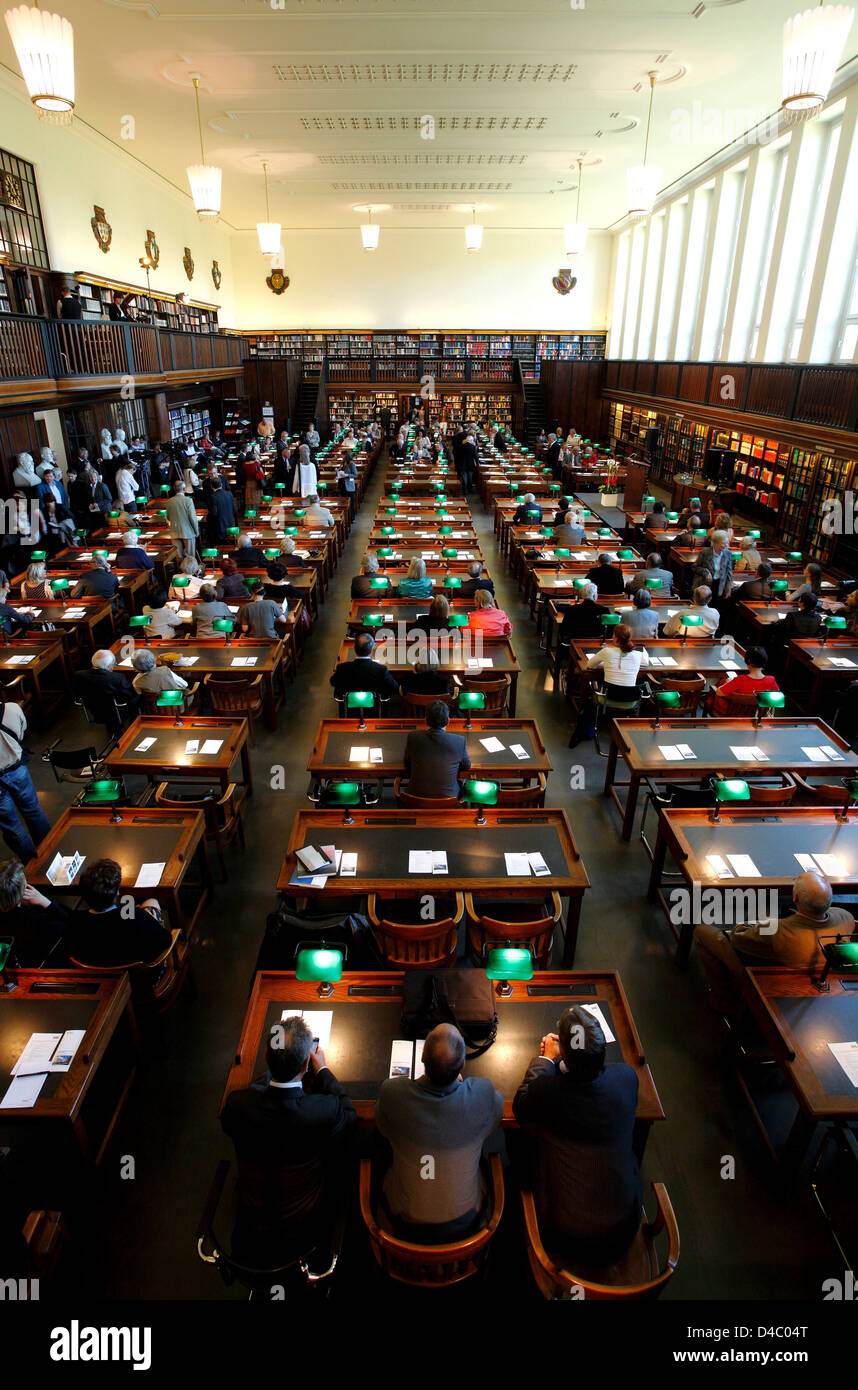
(621,661)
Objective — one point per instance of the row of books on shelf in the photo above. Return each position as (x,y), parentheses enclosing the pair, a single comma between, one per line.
(187,423)
(530,347)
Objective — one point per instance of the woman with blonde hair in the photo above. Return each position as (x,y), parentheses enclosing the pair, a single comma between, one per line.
(36,584)
(415,584)
(488,618)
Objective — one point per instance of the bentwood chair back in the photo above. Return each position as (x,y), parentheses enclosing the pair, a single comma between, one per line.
(235,695)
(528,924)
(495,689)
(640,1274)
(156,982)
(415,706)
(415,945)
(423,803)
(432,1266)
(690,694)
(524,796)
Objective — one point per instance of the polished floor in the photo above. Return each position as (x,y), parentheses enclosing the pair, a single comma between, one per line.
(750,1236)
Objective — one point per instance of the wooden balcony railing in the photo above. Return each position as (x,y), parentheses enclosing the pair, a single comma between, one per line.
(37,348)
(413,369)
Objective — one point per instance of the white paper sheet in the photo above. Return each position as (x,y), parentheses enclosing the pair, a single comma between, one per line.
(719,866)
(840,661)
(319,1022)
(687,751)
(846,1054)
(669,661)
(67,1048)
(492,745)
(538,864)
(348,865)
(359,753)
(149,875)
(595,1010)
(748,753)
(517,865)
(192,745)
(520,752)
(23,1092)
(145,745)
(832,865)
(744,865)
(806,862)
(729,665)
(816,755)
(833,754)
(670,752)
(212,745)
(401,1057)
(37,1054)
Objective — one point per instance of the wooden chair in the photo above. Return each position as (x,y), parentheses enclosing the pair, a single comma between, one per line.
(415,945)
(17,692)
(432,1266)
(521,922)
(148,985)
(423,803)
(415,706)
(235,695)
(45,1233)
(533,795)
(190,702)
(640,1274)
(690,694)
(777,790)
(222,814)
(738,706)
(818,793)
(495,689)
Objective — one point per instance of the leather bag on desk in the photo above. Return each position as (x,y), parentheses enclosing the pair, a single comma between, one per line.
(464,998)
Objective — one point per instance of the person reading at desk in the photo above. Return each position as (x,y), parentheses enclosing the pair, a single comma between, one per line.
(485,616)
(621,661)
(11,619)
(426,678)
(131,555)
(209,609)
(261,617)
(749,682)
(363,673)
(583,618)
(791,941)
(579,1117)
(163,622)
(434,758)
(709,617)
(232,584)
(569,531)
(654,570)
(445,1117)
(105,691)
(102,933)
(153,677)
(291,1130)
(607,575)
(36,924)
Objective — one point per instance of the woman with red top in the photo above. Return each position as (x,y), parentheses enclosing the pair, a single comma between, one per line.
(750,682)
(486,618)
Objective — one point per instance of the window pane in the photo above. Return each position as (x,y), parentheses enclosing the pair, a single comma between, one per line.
(669,287)
(720,275)
(691,295)
(622,272)
(653,260)
(635,268)
(761,223)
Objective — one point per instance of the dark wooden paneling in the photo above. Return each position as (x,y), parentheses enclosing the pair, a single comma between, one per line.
(693,381)
(770,390)
(645,381)
(18,435)
(826,396)
(628,371)
(727,386)
(667,379)
(612,374)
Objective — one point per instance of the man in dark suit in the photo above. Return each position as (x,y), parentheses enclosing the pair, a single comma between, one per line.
(52,486)
(475,581)
(756,590)
(607,577)
(101,686)
(363,673)
(552,455)
(427,678)
(582,619)
(527,511)
(585,1176)
(805,621)
(102,933)
(434,758)
(132,556)
(290,1130)
(469,456)
(98,582)
(499,442)
(70,306)
(657,519)
(249,556)
(221,511)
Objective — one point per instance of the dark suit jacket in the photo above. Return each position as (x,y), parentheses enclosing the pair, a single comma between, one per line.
(363,674)
(249,557)
(586,1180)
(108,938)
(500,443)
(754,591)
(70,307)
(582,619)
(552,457)
(99,689)
(285,1141)
(470,586)
(525,513)
(221,513)
(45,491)
(37,932)
(426,683)
(433,758)
(96,584)
(133,557)
(608,579)
(470,457)
(361,586)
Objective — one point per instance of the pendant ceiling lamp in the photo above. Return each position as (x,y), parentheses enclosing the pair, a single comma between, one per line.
(369,234)
(575,233)
(813,46)
(268,231)
(642,182)
(44,47)
(204,179)
(473,234)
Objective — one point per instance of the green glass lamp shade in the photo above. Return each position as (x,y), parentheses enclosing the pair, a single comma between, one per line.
(271,554)
(390,511)
(43,554)
(453,581)
(509,963)
(395,487)
(457,620)
(223,625)
(851,785)
(611,620)
(279,487)
(139,620)
(449,552)
(513,487)
(300,511)
(103,553)
(379,583)
(319,964)
(580,583)
(290,530)
(732,789)
(358,699)
(585,512)
(668,699)
(113,515)
(699,532)
(180,581)
(321,487)
(604,531)
(795,556)
(625,555)
(673,516)
(162,512)
(57,585)
(692,620)
(445,530)
(372,619)
(562,552)
(164,490)
(141,501)
(835,624)
(653,582)
(232,530)
(547,532)
(737,555)
(477,793)
(754,535)
(780,586)
(102,792)
(442,497)
(842,956)
(649,501)
(250,513)
(168,699)
(471,700)
(770,699)
(547,470)
(210,554)
(388,530)
(385,551)
(555,487)
(267,498)
(695,502)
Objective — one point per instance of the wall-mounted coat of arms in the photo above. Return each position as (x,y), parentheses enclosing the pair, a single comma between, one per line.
(188,263)
(217,275)
(277,282)
(101,228)
(153,250)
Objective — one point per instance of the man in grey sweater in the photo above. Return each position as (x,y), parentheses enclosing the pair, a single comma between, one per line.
(436,1127)
(184,526)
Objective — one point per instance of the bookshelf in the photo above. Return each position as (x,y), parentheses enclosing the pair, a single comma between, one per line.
(162,310)
(236,419)
(341,408)
(5,297)
(187,423)
(835,477)
(529,348)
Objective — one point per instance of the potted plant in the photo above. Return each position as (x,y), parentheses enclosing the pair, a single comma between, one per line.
(608,489)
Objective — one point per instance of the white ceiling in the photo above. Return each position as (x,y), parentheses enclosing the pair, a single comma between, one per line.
(333,93)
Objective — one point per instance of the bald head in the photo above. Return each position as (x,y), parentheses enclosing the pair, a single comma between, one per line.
(443,1054)
(812,894)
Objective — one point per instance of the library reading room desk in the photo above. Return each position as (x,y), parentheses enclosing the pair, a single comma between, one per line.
(799,1023)
(733,747)
(770,838)
(76,1110)
(366,1012)
(337,738)
(383,841)
(454,659)
(167,758)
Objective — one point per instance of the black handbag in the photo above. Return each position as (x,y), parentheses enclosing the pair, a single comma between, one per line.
(464,998)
